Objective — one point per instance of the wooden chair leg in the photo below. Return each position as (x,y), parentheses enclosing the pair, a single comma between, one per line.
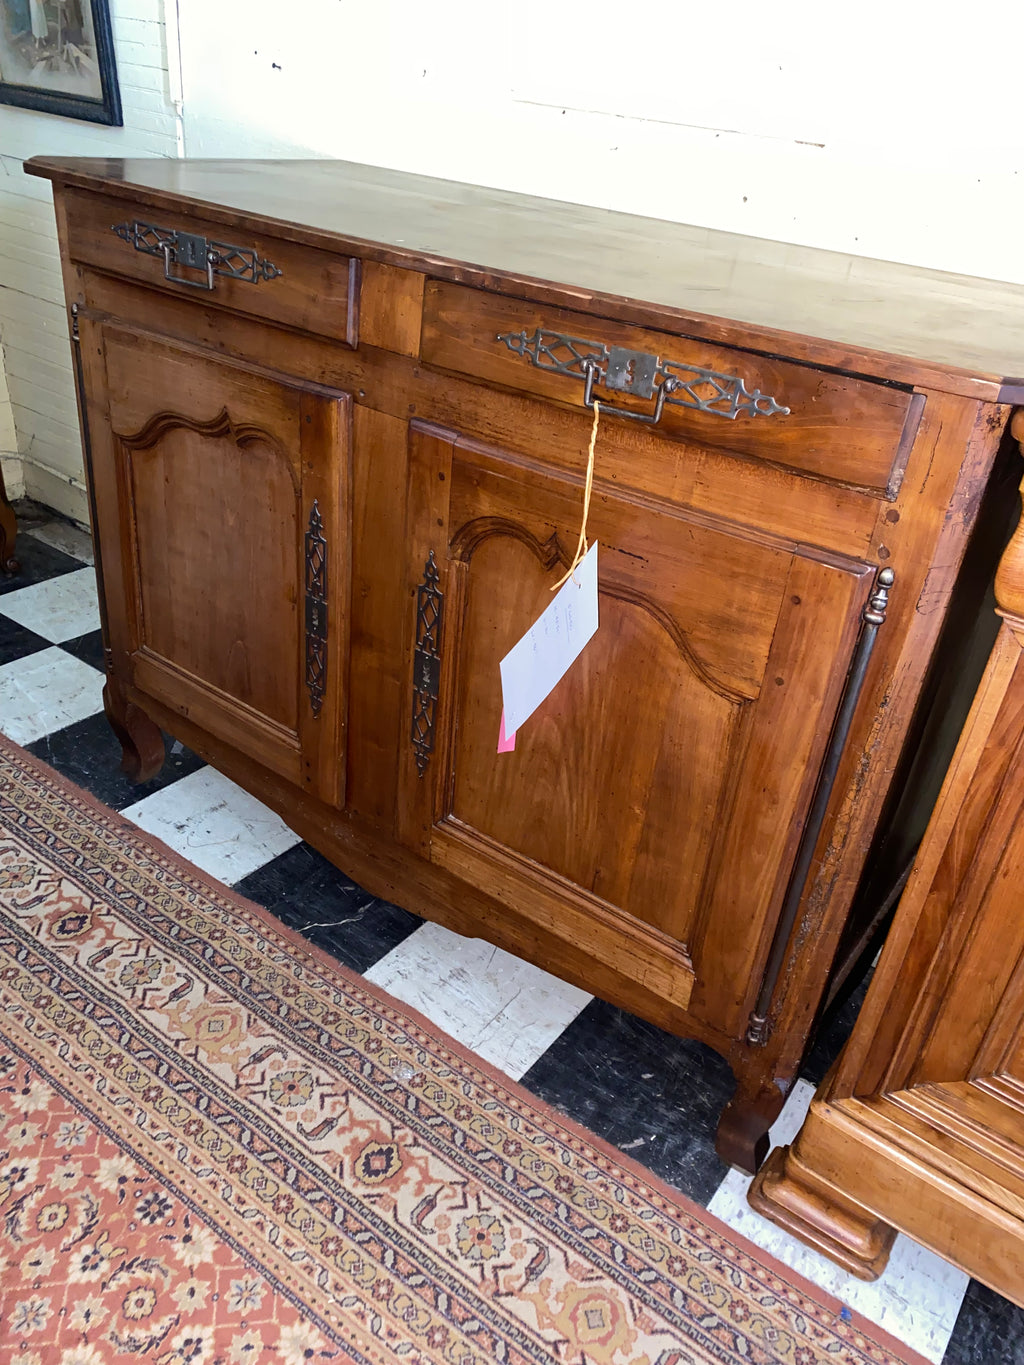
(8,531)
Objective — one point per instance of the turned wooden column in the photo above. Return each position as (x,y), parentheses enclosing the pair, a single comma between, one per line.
(920,1126)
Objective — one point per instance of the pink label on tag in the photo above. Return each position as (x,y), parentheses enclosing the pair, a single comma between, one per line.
(506,743)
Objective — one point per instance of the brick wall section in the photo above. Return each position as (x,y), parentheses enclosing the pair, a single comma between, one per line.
(33,325)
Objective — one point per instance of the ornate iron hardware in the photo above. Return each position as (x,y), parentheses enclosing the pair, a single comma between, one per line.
(638,373)
(192,252)
(316,609)
(872,617)
(427,663)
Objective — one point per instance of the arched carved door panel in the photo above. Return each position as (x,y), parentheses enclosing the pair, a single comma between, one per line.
(651,809)
(233,486)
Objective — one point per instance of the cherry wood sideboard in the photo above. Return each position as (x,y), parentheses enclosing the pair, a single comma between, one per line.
(920,1128)
(336,423)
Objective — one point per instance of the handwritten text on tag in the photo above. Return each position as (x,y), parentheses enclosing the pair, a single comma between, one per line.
(531,668)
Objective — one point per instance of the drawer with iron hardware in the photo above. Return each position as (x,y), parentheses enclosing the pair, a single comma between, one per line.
(833,426)
(245,271)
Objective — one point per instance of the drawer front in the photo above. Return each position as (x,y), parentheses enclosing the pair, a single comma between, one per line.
(832,426)
(245,271)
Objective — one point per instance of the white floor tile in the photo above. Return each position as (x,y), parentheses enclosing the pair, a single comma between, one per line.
(61,536)
(214,823)
(45,691)
(57,609)
(506,1010)
(918,1295)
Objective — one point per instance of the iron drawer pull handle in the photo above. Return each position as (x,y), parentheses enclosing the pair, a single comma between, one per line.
(170,257)
(637,373)
(668,385)
(190,251)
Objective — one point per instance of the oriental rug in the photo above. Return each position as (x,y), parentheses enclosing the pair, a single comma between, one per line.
(217,1145)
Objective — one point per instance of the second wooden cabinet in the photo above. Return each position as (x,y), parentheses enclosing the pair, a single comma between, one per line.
(335,476)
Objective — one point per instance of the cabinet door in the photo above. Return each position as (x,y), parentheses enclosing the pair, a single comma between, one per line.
(652,806)
(231,493)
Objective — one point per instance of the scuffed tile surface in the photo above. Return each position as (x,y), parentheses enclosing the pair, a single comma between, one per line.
(45,691)
(506,1010)
(916,1298)
(214,823)
(58,609)
(16,641)
(309,894)
(653,1095)
(61,535)
(88,754)
(38,562)
(989,1330)
(88,648)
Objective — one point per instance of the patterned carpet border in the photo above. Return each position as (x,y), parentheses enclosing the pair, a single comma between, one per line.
(400,1194)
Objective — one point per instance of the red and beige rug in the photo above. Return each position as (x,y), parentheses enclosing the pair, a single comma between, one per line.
(218,1147)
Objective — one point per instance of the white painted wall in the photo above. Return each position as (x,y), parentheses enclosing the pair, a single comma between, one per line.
(889,128)
(884,128)
(33,323)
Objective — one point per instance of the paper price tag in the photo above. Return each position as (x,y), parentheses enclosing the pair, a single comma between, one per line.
(532,668)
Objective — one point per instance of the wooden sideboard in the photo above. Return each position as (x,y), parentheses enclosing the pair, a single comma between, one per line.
(920,1128)
(336,425)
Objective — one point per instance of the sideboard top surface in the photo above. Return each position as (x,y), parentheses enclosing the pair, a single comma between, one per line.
(906,324)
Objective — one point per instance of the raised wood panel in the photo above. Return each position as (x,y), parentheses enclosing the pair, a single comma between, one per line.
(246,553)
(664,781)
(716,594)
(576,755)
(219,469)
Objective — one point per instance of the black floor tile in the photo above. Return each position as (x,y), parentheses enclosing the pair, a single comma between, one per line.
(655,1096)
(832,1033)
(308,893)
(38,563)
(88,754)
(16,641)
(989,1330)
(88,648)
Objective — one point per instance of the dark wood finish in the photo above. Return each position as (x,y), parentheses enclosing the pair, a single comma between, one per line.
(8,531)
(641,838)
(921,1126)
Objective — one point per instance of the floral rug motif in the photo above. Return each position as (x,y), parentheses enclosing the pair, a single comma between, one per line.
(220,1146)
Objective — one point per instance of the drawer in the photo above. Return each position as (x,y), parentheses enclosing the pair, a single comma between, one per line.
(832,426)
(298,286)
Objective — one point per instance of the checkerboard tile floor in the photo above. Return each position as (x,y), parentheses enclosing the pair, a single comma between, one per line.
(655,1096)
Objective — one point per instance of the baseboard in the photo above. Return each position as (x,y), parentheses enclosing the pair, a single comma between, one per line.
(14,475)
(52,490)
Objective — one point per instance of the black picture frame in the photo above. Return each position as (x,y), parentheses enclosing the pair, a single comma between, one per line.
(75,74)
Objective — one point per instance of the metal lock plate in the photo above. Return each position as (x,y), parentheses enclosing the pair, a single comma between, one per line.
(190,250)
(631,371)
(427,674)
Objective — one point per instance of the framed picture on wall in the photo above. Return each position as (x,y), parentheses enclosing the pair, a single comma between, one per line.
(57,56)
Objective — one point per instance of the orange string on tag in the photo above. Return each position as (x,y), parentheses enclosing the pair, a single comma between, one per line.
(581,545)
